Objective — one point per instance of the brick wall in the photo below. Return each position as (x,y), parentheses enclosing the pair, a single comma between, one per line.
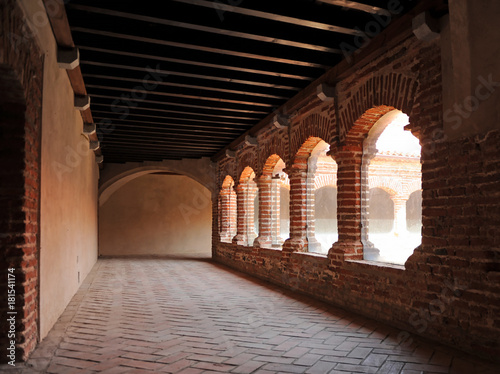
(454,275)
(21,71)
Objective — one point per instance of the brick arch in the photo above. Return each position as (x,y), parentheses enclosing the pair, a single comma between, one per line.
(228,170)
(389,185)
(304,152)
(315,125)
(247,174)
(271,164)
(228,182)
(370,100)
(115,176)
(277,144)
(247,158)
(415,185)
(364,123)
(325,181)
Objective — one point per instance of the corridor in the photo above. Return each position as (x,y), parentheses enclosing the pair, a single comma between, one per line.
(192,316)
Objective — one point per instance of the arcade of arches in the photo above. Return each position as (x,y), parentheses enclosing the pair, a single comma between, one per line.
(367,197)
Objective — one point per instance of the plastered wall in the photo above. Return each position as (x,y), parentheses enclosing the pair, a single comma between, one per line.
(69,176)
(156,214)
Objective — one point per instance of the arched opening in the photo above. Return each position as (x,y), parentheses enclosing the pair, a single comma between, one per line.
(247,193)
(322,229)
(157,214)
(312,169)
(391,167)
(227,212)
(325,199)
(272,185)
(284,208)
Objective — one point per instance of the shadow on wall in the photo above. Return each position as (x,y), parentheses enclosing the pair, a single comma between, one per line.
(157,215)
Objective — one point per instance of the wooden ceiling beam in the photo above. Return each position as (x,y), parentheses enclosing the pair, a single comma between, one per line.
(183,105)
(206,29)
(271,16)
(134,144)
(194,131)
(179,136)
(197,63)
(197,76)
(199,48)
(217,116)
(169,124)
(355,5)
(105,114)
(189,86)
(146,136)
(183,96)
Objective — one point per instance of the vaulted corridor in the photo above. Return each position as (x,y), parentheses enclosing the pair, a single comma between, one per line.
(180,315)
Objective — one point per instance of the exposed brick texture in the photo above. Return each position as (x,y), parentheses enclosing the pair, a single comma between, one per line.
(21,71)
(448,289)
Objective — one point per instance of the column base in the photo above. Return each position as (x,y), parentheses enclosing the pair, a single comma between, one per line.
(262,242)
(295,245)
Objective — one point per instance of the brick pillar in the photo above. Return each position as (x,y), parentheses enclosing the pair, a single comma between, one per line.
(228,209)
(245,193)
(298,210)
(19,227)
(21,72)
(264,239)
(349,203)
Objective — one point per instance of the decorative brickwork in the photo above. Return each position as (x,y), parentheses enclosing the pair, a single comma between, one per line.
(21,71)
(448,289)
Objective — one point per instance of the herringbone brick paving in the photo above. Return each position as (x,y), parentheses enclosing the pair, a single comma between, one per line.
(190,316)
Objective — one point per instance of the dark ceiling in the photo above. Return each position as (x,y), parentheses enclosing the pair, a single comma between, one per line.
(184,78)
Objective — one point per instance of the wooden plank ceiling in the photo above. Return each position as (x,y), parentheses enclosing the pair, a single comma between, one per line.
(184,78)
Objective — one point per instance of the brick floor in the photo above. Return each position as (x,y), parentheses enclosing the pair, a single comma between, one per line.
(193,316)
